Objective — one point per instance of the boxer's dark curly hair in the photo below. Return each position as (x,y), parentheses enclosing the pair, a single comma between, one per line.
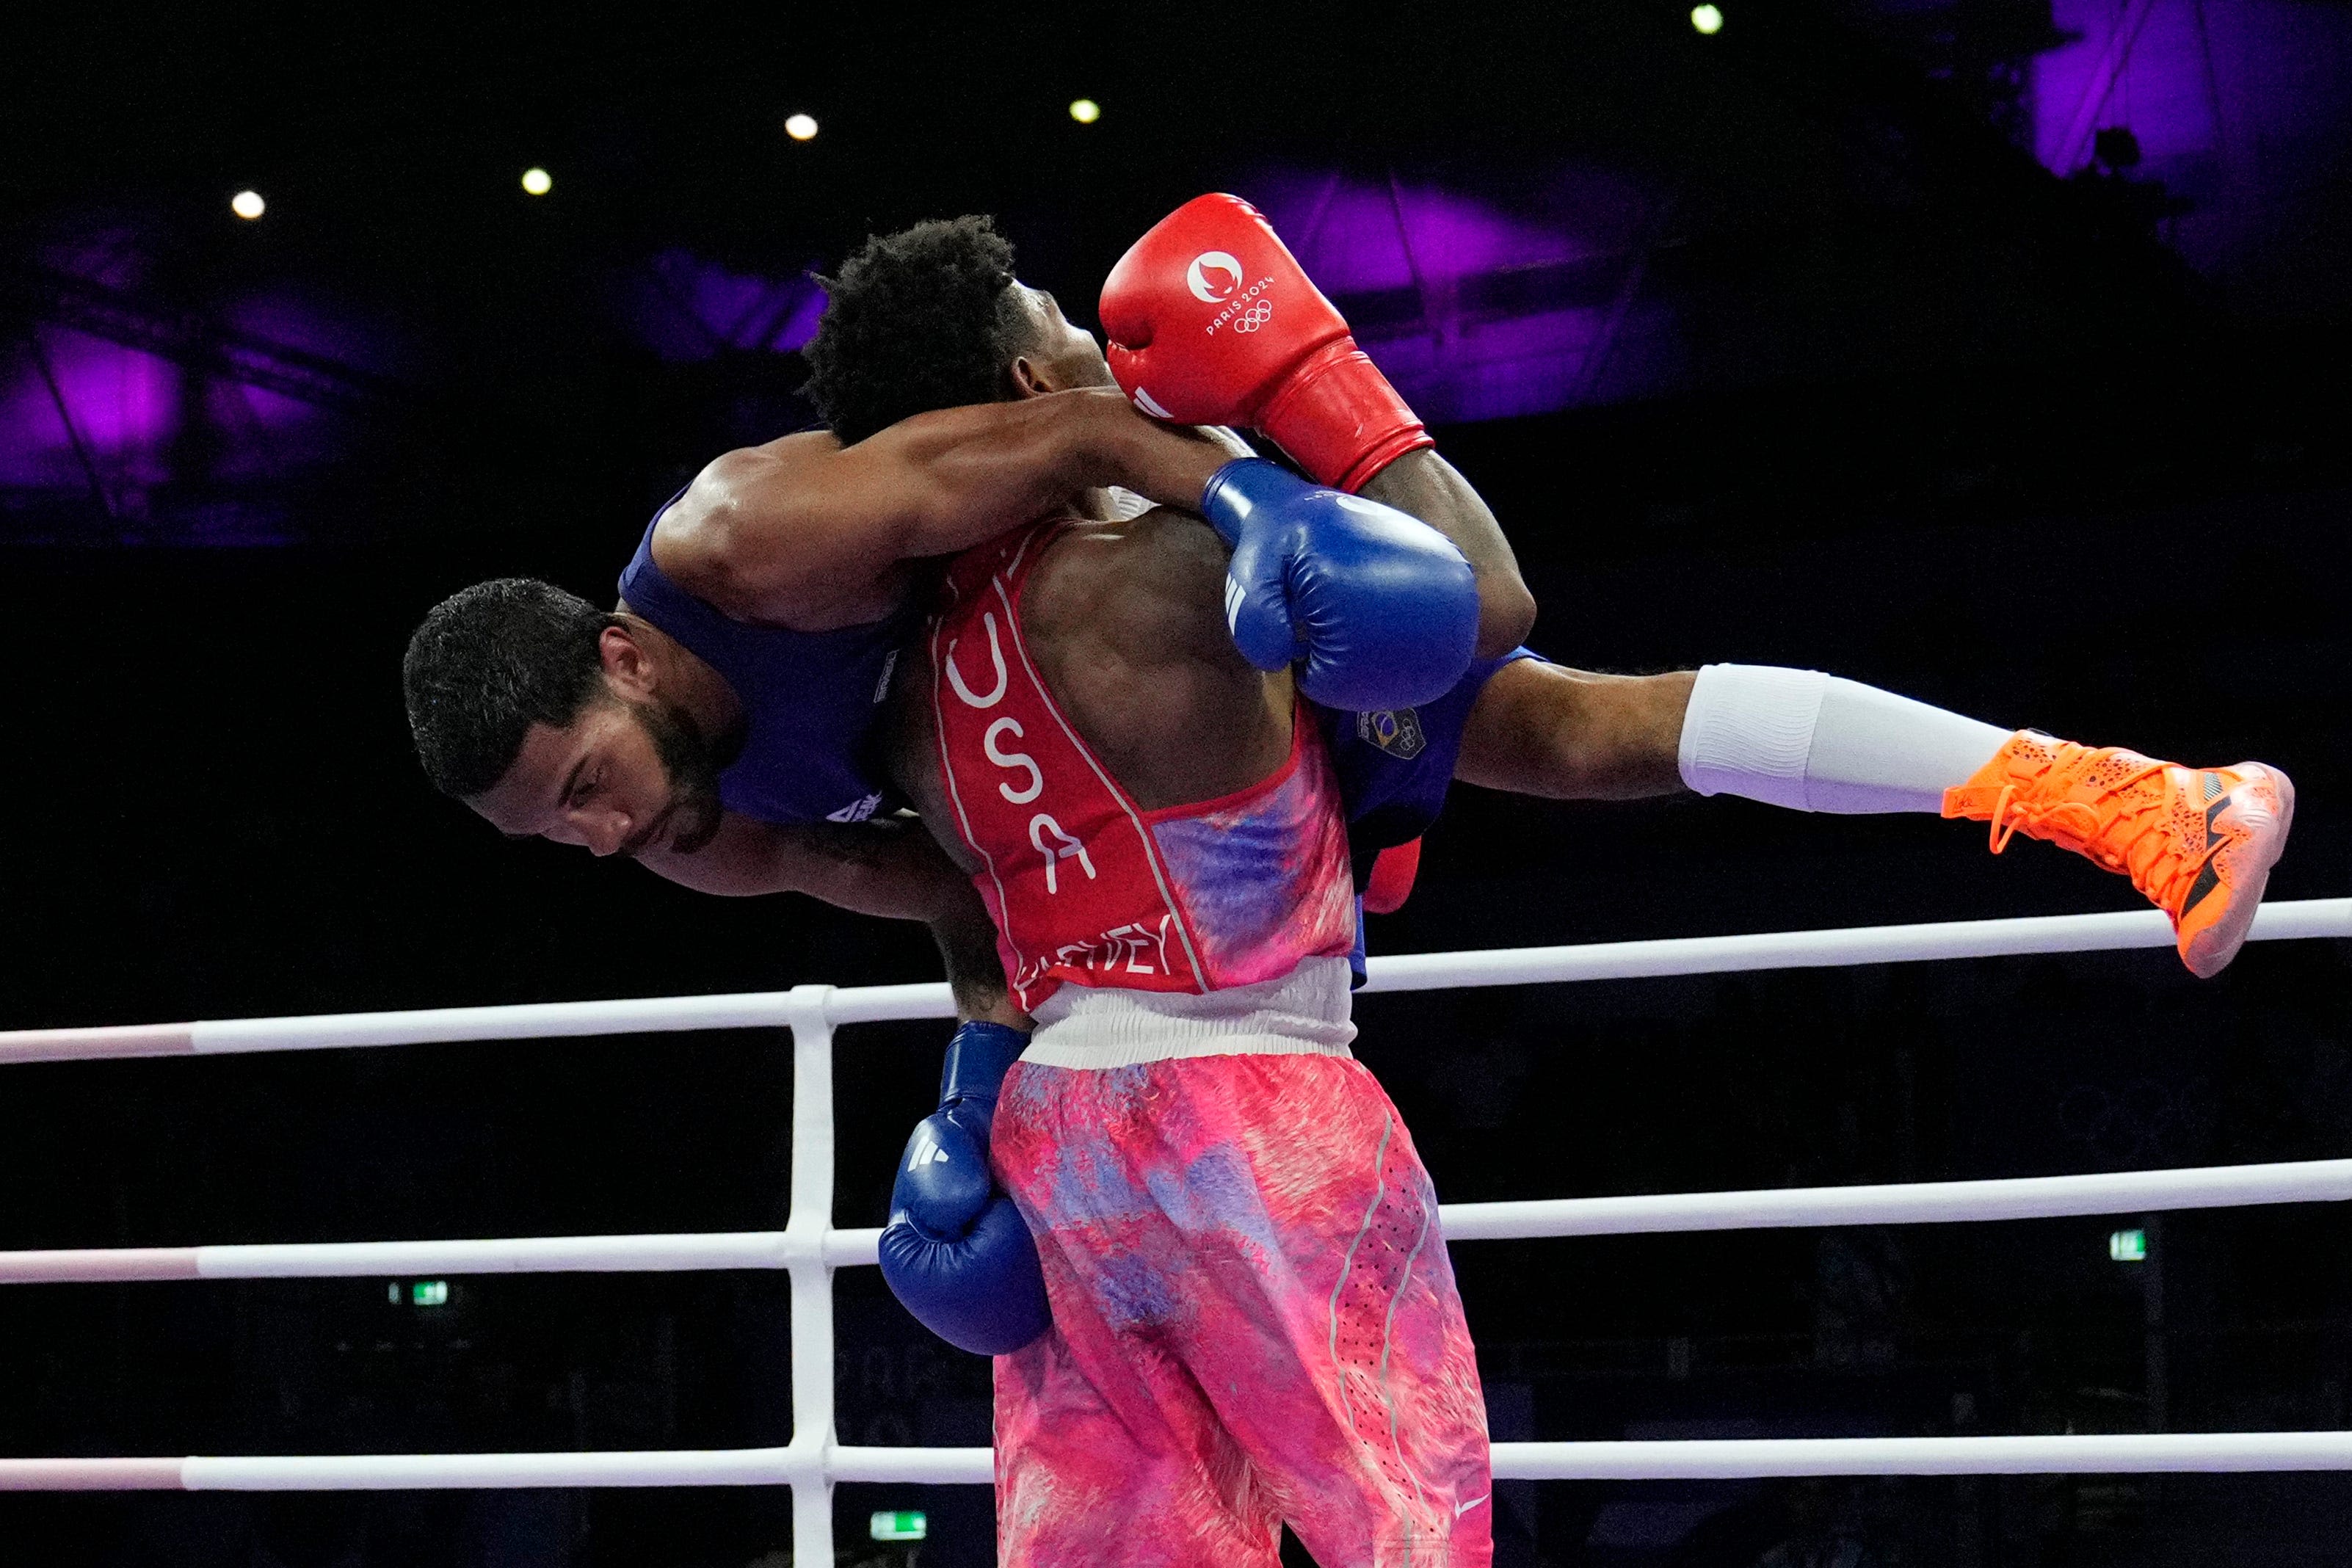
(487,664)
(917,319)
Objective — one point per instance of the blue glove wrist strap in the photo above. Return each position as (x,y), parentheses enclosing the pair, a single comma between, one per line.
(978,1058)
(1241,487)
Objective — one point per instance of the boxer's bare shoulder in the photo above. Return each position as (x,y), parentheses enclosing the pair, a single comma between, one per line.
(1127,624)
(1154,583)
(772,535)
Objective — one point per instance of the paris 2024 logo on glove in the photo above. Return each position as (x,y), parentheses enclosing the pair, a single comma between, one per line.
(1215,277)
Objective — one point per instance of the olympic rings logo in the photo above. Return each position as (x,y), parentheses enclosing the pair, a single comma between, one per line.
(1253,318)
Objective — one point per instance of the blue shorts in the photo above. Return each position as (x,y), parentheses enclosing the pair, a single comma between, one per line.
(1394,767)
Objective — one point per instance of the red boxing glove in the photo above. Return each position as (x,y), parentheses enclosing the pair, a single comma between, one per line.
(1390,882)
(1212,322)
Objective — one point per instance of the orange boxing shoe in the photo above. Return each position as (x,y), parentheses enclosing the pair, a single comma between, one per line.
(2199,841)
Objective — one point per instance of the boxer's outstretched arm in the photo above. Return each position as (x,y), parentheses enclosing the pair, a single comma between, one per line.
(803,530)
(888,868)
(1424,485)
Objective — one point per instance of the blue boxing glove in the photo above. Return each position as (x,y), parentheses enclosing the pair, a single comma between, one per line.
(1380,607)
(957,1253)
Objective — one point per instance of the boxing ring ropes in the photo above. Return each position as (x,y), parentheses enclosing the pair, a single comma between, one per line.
(810,1249)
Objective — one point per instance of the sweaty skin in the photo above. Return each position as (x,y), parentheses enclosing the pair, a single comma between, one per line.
(1557,733)
(599,784)
(1125,622)
(810,535)
(1424,485)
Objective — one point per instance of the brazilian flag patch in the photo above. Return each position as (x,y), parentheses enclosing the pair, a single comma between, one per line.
(1395,730)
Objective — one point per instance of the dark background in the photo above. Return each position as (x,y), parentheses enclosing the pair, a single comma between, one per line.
(1870,378)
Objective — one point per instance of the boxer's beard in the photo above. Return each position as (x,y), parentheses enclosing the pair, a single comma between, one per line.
(691,765)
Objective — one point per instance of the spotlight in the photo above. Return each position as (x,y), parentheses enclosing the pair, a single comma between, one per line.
(1706,18)
(536,182)
(1085,111)
(247,205)
(800,127)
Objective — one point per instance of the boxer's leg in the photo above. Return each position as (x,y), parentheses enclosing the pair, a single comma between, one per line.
(1558,733)
(1253,1234)
(1811,741)
(1795,738)
(1354,1389)
(1108,1452)
(2199,843)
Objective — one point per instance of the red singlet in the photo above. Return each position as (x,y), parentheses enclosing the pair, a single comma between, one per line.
(1085,886)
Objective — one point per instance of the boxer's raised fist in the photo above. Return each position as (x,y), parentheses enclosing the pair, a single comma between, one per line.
(1211,321)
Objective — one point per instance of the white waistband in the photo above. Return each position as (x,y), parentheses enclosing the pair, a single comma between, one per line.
(1304,1012)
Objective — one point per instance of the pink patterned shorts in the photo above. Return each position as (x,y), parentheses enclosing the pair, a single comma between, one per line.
(1255,1322)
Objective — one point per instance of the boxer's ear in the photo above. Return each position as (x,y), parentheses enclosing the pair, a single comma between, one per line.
(1027,381)
(626,664)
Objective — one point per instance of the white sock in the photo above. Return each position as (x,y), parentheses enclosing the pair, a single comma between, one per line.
(1813,741)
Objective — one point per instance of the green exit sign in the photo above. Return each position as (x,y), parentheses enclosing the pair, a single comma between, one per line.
(901,1524)
(2127,1246)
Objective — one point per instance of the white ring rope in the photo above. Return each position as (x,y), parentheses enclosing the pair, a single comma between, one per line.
(811,1250)
(1411,971)
(1738,1459)
(1901,1203)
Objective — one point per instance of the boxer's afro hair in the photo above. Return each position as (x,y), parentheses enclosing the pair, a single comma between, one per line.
(917,319)
(487,664)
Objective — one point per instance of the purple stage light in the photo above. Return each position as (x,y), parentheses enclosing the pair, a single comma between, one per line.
(685,309)
(150,421)
(126,408)
(2238,111)
(1359,237)
(63,390)
(1519,298)
(2142,65)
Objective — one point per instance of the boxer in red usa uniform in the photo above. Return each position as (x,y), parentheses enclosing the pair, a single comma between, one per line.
(1253,1319)
(708,724)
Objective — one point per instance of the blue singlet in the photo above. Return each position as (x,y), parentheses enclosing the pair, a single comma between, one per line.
(809,699)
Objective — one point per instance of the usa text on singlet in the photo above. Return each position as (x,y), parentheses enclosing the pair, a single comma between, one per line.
(1086,887)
